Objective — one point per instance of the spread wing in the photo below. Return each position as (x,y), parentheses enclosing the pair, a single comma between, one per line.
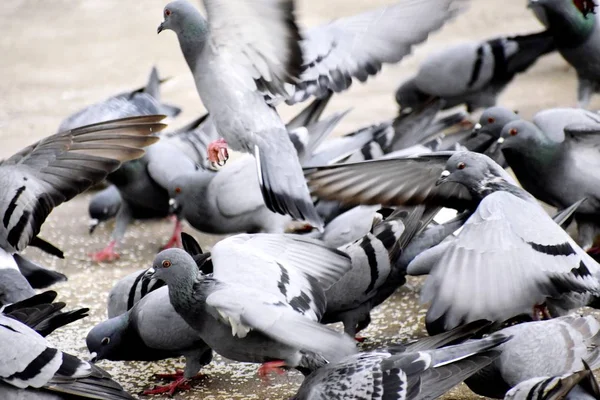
(509,257)
(261,36)
(356,47)
(400,181)
(57,168)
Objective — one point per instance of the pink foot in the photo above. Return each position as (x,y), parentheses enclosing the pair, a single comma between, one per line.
(107,255)
(360,339)
(540,313)
(270,367)
(175,240)
(217,152)
(180,384)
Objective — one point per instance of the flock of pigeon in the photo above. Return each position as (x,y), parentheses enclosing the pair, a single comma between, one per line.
(326,230)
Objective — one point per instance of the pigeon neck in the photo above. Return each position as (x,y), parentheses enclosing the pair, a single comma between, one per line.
(192,38)
(570,29)
(181,287)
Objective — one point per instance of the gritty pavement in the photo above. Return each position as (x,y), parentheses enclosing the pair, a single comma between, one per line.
(58,56)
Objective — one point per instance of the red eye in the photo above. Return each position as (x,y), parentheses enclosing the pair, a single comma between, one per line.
(167,12)
(513,132)
(491,120)
(177,190)
(461,165)
(166,264)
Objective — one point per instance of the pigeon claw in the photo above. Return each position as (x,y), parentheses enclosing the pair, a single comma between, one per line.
(360,339)
(108,254)
(180,384)
(218,153)
(541,312)
(270,367)
(170,377)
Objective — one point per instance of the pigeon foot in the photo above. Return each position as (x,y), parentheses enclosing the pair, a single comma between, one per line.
(540,312)
(270,367)
(180,384)
(175,240)
(360,339)
(217,152)
(108,254)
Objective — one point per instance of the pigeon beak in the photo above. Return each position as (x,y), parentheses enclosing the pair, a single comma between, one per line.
(477,128)
(445,174)
(93,357)
(160,28)
(150,273)
(500,140)
(94,222)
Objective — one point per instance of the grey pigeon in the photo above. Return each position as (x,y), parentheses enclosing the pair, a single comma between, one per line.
(233,62)
(538,349)
(104,206)
(375,273)
(143,183)
(473,73)
(54,170)
(555,158)
(141,101)
(576,32)
(576,385)
(263,300)
(151,330)
(230,200)
(419,371)
(509,258)
(31,368)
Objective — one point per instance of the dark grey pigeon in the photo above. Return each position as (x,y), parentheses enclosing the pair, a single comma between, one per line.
(31,368)
(151,330)
(540,349)
(233,75)
(142,101)
(415,372)
(143,183)
(576,385)
(576,32)
(263,300)
(54,170)
(555,158)
(528,259)
(104,206)
(473,73)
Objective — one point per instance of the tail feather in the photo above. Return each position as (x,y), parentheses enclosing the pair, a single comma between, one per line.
(311,114)
(531,47)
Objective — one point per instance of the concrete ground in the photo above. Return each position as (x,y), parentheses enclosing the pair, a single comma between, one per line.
(59,56)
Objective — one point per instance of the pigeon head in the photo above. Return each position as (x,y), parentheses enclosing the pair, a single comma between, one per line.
(521,136)
(570,21)
(477,172)
(188,189)
(106,341)
(493,120)
(173,266)
(184,19)
(103,206)
(409,97)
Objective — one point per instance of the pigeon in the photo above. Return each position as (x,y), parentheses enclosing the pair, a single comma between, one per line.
(54,170)
(262,302)
(508,235)
(554,158)
(104,206)
(375,274)
(576,385)
(415,372)
(141,101)
(538,349)
(143,183)
(235,64)
(230,200)
(151,330)
(32,368)
(577,37)
(475,72)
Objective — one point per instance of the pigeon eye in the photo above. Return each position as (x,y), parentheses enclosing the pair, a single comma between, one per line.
(105,341)
(177,190)
(461,165)
(513,132)
(167,12)
(166,264)
(491,120)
